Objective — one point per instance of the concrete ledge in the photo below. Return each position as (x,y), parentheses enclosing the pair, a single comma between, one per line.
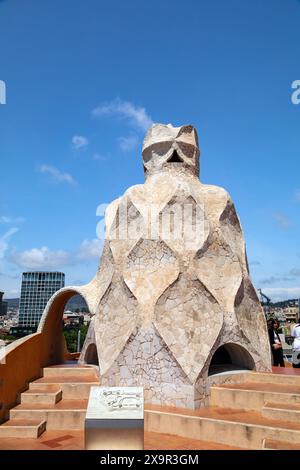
(249,399)
(274,378)
(41,397)
(279,412)
(55,418)
(21,429)
(69,390)
(245,434)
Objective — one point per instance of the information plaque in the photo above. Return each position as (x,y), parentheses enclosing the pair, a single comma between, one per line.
(115,419)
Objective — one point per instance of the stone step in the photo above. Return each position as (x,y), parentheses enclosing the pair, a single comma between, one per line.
(253,395)
(44,386)
(271,444)
(71,387)
(82,372)
(22,428)
(282,412)
(66,414)
(273,378)
(41,396)
(247,429)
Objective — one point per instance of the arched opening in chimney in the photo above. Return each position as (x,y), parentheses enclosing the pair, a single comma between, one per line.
(230,357)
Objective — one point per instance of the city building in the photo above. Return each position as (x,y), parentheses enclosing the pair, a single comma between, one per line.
(3,305)
(291,313)
(4,308)
(286,311)
(71,319)
(37,288)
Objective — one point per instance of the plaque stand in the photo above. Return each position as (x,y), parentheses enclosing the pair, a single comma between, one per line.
(115,419)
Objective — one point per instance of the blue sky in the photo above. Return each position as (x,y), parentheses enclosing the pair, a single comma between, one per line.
(85,79)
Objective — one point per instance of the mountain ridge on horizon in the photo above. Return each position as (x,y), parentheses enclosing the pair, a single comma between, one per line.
(75,302)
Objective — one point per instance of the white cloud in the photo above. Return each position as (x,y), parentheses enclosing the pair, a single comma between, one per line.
(136,115)
(4,240)
(11,220)
(128,143)
(282,220)
(57,175)
(90,249)
(282,293)
(41,258)
(45,258)
(79,141)
(12,293)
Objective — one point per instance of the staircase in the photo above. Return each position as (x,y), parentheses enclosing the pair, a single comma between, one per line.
(56,401)
(262,412)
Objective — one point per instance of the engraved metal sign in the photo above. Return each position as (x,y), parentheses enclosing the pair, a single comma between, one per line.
(119,399)
(116,403)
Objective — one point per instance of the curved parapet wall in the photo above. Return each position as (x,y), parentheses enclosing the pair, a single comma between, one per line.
(23,360)
(51,324)
(20,362)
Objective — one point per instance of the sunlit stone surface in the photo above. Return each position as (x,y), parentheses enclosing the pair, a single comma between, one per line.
(173,283)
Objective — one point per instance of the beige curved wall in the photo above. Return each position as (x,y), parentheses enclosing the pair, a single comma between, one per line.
(54,349)
(20,362)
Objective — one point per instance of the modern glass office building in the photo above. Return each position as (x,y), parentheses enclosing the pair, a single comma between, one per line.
(36,290)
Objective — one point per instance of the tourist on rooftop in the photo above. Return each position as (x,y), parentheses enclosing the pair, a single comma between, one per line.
(296,344)
(276,345)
